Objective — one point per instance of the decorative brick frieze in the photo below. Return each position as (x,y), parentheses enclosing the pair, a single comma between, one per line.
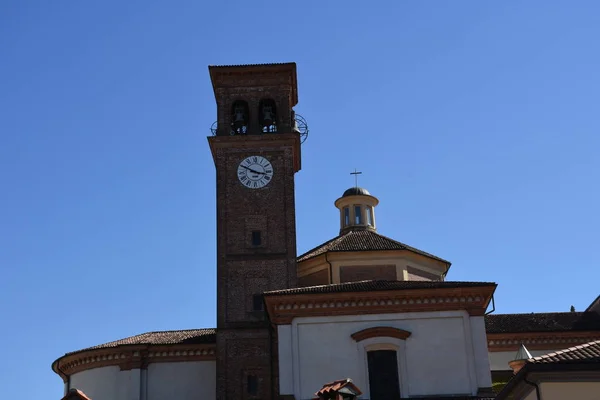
(539,340)
(132,357)
(283,309)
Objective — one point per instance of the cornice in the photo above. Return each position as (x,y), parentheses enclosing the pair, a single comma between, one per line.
(128,357)
(380,331)
(283,309)
(539,340)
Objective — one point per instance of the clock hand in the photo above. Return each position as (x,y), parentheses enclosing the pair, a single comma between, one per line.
(251,170)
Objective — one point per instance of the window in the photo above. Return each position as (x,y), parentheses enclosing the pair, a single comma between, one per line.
(357,215)
(384,383)
(256,239)
(369,212)
(346,216)
(252,385)
(257,302)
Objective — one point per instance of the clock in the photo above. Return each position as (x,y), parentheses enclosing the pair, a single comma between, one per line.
(255,172)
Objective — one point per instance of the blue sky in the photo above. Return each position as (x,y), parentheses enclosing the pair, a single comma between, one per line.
(475,124)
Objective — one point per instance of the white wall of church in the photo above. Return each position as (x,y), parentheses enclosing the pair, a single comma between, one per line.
(190,380)
(499,359)
(445,354)
(182,381)
(98,383)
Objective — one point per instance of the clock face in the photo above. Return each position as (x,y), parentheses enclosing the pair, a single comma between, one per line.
(255,172)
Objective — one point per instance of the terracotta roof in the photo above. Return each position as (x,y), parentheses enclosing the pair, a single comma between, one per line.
(75,394)
(335,386)
(376,286)
(585,353)
(542,322)
(250,65)
(187,336)
(362,240)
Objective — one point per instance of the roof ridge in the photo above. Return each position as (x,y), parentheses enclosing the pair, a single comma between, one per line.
(546,313)
(178,330)
(322,244)
(363,239)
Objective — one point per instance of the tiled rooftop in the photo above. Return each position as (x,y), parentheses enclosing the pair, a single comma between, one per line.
(542,322)
(362,240)
(187,336)
(585,353)
(375,286)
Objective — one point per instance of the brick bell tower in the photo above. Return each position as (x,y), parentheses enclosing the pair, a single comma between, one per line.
(256,149)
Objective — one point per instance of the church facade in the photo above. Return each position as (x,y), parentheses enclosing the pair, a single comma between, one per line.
(361,305)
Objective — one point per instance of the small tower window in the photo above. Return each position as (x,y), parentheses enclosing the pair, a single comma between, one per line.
(252,385)
(369,214)
(256,238)
(357,215)
(257,302)
(346,216)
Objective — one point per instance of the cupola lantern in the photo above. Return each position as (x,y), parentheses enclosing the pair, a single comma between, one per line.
(357,210)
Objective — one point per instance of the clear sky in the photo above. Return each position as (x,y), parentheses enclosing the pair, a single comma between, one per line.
(475,123)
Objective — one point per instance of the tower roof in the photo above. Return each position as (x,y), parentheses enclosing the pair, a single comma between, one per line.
(356,191)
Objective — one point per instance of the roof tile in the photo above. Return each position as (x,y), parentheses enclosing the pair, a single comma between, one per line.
(542,322)
(187,336)
(376,285)
(585,353)
(362,240)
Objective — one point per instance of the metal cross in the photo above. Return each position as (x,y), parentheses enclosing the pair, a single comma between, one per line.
(356,174)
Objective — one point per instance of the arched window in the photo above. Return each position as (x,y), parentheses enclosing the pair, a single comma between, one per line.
(369,215)
(268,116)
(384,377)
(384,352)
(239,118)
(357,215)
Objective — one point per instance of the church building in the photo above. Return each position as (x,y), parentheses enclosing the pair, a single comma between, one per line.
(361,305)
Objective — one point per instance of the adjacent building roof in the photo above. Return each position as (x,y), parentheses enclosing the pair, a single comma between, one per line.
(376,286)
(187,336)
(362,240)
(594,304)
(575,360)
(542,322)
(585,353)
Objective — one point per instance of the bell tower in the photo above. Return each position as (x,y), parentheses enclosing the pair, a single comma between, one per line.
(256,150)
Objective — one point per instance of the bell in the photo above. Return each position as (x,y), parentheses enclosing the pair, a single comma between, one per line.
(267,115)
(238,117)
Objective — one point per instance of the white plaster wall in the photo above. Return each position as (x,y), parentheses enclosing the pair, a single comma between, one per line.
(480,352)
(189,380)
(499,359)
(182,381)
(439,356)
(99,383)
(570,390)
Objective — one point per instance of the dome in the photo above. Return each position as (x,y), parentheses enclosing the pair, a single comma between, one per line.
(354,191)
